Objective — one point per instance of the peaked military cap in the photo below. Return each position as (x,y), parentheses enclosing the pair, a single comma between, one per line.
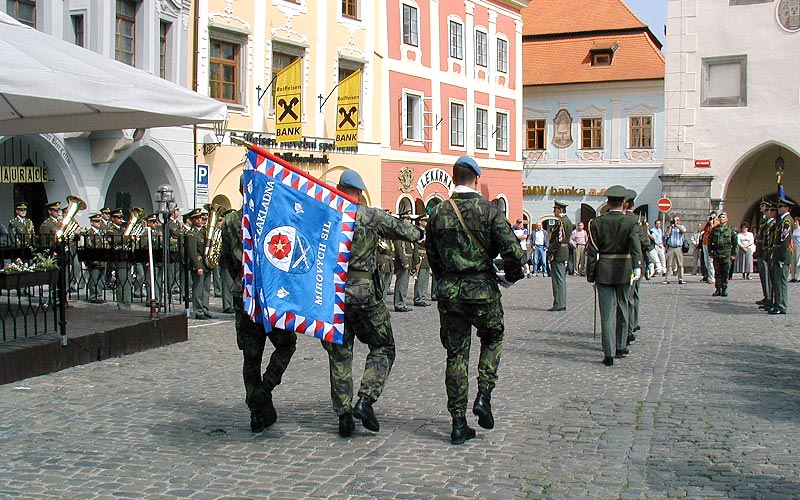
(351,179)
(194,214)
(118,213)
(783,202)
(105,210)
(559,204)
(616,192)
(21,206)
(630,195)
(467,161)
(152,218)
(764,202)
(95,218)
(56,205)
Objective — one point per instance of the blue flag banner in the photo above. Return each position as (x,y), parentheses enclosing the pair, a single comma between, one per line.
(296,239)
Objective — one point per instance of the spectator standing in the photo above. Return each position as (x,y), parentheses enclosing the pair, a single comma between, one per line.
(656,234)
(711,223)
(795,249)
(674,237)
(539,250)
(697,249)
(747,246)
(578,241)
(521,232)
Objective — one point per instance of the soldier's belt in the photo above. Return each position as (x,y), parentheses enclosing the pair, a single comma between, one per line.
(359,274)
(614,256)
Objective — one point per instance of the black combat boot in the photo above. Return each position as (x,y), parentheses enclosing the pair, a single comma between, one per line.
(364,412)
(716,293)
(261,406)
(483,408)
(724,292)
(346,425)
(461,431)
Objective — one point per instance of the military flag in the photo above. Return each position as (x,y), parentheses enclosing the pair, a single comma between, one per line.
(348,104)
(288,103)
(296,237)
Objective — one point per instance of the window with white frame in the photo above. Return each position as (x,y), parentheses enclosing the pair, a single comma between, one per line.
(641,131)
(350,9)
(481,48)
(410,25)
(125,34)
(481,128)
(591,133)
(501,132)
(456,124)
(725,81)
(226,66)
(456,40)
(412,116)
(502,55)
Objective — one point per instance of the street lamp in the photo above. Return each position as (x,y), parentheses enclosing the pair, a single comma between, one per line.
(165,204)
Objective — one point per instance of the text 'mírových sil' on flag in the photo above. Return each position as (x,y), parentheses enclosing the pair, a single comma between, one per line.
(296,237)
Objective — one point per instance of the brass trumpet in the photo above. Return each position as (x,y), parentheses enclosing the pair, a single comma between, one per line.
(68,227)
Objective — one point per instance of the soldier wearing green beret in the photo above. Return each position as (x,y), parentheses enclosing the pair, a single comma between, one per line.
(463,236)
(558,254)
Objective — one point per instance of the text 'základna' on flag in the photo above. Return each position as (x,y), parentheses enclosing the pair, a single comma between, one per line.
(296,238)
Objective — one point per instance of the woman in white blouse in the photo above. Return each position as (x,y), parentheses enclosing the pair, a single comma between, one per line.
(747,246)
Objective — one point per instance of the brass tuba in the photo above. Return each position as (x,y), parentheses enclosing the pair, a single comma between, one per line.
(68,227)
(135,225)
(213,245)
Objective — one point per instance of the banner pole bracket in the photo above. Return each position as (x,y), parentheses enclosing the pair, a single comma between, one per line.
(321,102)
(261,94)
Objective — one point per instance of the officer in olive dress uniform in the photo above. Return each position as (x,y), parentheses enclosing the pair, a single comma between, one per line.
(122,285)
(403,267)
(366,316)
(645,244)
(463,236)
(614,261)
(251,337)
(175,271)
(558,255)
(758,255)
(423,269)
(20,228)
(105,221)
(93,238)
(386,263)
(157,238)
(722,247)
(201,273)
(781,256)
(48,228)
(767,253)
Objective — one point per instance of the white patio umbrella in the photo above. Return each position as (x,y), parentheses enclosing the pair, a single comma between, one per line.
(49,85)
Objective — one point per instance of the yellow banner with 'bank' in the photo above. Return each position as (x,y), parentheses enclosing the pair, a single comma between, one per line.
(288,103)
(348,106)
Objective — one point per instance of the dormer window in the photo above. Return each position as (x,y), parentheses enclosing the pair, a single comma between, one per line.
(602,53)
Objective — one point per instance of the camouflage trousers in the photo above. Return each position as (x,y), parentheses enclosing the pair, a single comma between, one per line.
(251,339)
(372,326)
(722,269)
(455,331)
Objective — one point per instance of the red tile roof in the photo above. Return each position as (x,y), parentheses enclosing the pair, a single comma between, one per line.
(543,17)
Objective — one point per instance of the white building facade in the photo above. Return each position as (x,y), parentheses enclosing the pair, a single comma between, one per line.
(116,168)
(732,99)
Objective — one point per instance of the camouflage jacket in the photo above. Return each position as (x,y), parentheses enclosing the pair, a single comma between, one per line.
(722,242)
(462,267)
(372,224)
(558,248)
(231,254)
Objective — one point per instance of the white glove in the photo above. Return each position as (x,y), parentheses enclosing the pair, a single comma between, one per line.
(637,273)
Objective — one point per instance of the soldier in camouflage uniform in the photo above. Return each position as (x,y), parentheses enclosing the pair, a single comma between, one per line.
(20,228)
(781,256)
(251,337)
(460,256)
(558,255)
(722,246)
(366,316)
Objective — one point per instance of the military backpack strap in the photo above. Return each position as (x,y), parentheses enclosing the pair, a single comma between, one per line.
(468,230)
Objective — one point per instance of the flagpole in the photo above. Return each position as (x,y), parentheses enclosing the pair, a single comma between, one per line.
(280,161)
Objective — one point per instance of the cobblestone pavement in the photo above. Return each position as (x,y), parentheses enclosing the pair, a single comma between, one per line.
(706,406)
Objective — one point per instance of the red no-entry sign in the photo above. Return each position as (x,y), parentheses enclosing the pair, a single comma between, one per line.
(664,205)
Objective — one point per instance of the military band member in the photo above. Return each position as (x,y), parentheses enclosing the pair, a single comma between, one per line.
(20,228)
(366,316)
(48,228)
(201,273)
(781,256)
(558,255)
(614,261)
(122,285)
(105,218)
(403,267)
(463,237)
(423,268)
(93,238)
(176,230)
(157,238)
(722,246)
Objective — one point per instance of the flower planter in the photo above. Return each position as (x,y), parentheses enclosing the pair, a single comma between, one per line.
(13,281)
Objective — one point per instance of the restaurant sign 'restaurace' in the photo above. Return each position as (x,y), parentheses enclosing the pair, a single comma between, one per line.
(15,174)
(559,191)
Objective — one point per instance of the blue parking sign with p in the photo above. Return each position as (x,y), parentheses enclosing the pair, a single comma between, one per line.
(202,176)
